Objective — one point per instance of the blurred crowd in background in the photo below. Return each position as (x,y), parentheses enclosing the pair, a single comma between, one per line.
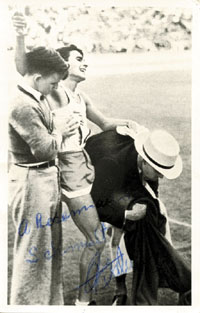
(109,29)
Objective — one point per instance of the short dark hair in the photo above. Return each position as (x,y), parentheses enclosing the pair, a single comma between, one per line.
(65,51)
(45,61)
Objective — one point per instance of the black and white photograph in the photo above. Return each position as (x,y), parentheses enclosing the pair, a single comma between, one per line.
(102,94)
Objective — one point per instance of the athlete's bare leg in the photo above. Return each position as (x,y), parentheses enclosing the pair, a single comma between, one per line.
(84,215)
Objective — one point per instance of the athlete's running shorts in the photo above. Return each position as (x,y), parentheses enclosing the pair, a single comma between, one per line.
(77,173)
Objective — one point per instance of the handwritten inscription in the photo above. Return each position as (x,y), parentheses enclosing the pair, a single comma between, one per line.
(53,251)
(25,227)
(101,277)
(40,222)
(103,274)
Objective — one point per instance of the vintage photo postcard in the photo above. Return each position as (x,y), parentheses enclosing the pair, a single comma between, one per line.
(100,156)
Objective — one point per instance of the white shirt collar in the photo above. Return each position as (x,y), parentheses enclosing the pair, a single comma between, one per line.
(37,95)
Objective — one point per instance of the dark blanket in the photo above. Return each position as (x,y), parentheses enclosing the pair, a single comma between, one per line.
(156,262)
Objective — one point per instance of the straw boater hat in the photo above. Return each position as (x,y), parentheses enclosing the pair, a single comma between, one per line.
(160,150)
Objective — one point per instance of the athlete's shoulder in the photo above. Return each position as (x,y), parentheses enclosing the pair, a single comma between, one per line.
(85,97)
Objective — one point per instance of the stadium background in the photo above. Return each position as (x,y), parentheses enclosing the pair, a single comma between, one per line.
(108,30)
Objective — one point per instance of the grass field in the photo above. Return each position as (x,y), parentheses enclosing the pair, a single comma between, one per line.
(155,99)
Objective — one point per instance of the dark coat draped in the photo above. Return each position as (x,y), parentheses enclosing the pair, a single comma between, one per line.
(116,188)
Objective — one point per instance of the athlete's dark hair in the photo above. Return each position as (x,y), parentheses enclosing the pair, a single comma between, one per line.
(45,61)
(65,51)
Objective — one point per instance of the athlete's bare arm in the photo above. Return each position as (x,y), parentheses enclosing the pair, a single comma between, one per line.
(98,118)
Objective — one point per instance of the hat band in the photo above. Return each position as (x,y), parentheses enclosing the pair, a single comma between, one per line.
(154,162)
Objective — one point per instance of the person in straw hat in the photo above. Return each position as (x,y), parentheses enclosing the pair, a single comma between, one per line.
(128,165)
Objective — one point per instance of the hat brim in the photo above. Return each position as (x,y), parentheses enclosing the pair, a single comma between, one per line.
(168,173)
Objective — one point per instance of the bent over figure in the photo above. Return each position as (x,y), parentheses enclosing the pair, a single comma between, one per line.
(127,169)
